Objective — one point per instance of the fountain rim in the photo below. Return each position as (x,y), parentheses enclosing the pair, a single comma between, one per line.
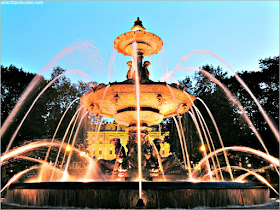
(134,185)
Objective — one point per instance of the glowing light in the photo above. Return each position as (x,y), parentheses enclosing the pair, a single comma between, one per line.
(210,173)
(32,181)
(82,154)
(68,148)
(121,175)
(86,180)
(194,180)
(202,148)
(65,176)
(249,165)
(239,181)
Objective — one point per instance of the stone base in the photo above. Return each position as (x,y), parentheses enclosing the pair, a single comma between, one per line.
(125,194)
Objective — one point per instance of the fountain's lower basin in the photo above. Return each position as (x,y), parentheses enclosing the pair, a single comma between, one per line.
(126,194)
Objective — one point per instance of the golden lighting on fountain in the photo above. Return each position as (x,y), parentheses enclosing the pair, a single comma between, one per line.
(138,26)
(157,99)
(194,180)
(86,180)
(148,43)
(239,180)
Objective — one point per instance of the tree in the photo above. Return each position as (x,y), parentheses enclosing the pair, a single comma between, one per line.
(234,130)
(13,83)
(265,86)
(44,117)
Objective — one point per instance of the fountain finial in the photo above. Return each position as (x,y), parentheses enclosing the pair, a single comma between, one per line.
(147,43)
(138,25)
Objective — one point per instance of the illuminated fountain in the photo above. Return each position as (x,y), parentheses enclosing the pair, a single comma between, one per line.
(140,103)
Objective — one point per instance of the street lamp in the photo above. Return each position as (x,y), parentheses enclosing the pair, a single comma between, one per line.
(202,148)
(68,148)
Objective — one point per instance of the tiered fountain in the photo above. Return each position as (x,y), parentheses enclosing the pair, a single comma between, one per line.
(139,103)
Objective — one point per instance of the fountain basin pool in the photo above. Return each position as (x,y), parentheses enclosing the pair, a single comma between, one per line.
(117,195)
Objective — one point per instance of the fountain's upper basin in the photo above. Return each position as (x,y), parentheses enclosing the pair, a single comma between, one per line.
(157,101)
(125,194)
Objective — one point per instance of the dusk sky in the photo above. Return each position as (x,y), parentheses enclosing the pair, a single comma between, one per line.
(239,32)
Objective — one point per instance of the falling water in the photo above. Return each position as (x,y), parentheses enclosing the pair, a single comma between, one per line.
(17,176)
(73,144)
(183,135)
(243,176)
(259,177)
(202,143)
(63,139)
(237,102)
(231,98)
(31,146)
(117,157)
(61,119)
(266,117)
(98,125)
(47,86)
(43,165)
(37,79)
(261,154)
(69,138)
(182,146)
(203,124)
(137,84)
(219,136)
(111,63)
(159,160)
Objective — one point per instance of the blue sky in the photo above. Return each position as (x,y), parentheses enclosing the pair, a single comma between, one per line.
(240,32)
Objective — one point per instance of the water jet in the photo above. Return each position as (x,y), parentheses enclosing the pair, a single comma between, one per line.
(138,103)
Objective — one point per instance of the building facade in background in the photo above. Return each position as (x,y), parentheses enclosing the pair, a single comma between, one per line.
(99,146)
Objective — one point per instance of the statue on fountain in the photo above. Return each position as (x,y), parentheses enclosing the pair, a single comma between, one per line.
(127,164)
(109,166)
